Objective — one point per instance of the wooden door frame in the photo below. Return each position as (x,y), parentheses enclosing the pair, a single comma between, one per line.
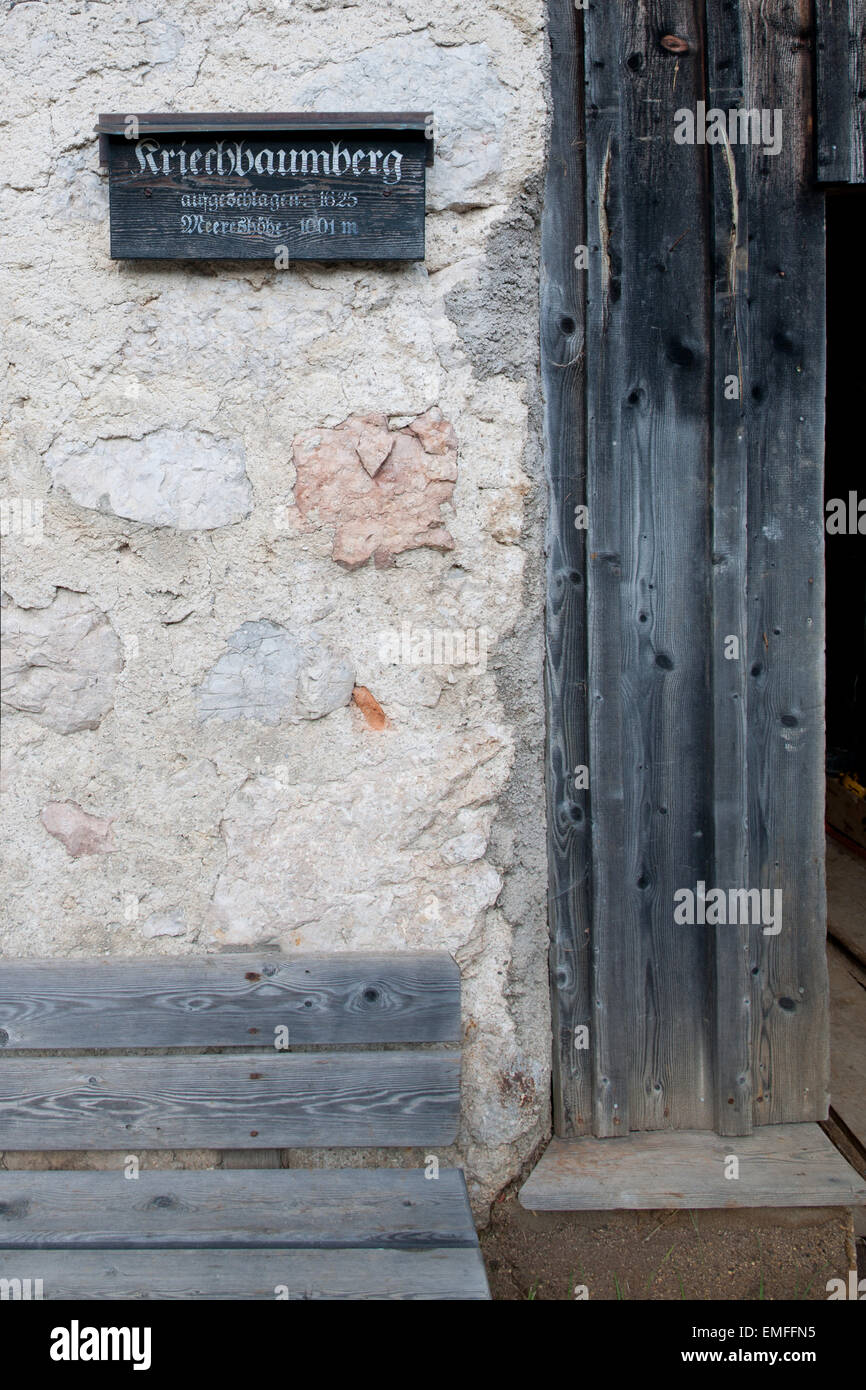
(705,520)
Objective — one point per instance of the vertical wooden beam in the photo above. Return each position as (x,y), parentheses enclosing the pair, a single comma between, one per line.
(706,266)
(563,307)
(840,27)
(785,420)
(648,390)
(614,927)
(729,167)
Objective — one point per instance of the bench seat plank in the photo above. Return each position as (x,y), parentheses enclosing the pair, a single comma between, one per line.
(339,1099)
(252,1274)
(229,1001)
(284,1208)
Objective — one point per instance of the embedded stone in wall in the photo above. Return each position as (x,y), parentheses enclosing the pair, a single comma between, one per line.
(382,497)
(389,882)
(77,830)
(436,434)
(270,675)
(169,923)
(459,83)
(183,478)
(60,661)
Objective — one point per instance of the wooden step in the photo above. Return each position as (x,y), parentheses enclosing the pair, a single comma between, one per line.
(779,1166)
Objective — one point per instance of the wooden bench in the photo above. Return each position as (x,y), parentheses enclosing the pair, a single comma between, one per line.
(118,1055)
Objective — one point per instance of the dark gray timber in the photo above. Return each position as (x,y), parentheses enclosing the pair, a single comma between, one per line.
(341,1099)
(229,1001)
(840,27)
(563,366)
(706,265)
(336,122)
(291,1208)
(786,583)
(253,1274)
(301,195)
(648,393)
(729,171)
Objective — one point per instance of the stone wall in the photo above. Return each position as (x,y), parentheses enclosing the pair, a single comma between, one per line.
(240,708)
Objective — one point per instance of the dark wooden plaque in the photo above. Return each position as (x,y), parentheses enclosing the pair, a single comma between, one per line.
(275,187)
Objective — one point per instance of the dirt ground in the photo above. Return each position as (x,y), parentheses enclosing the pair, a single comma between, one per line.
(743,1255)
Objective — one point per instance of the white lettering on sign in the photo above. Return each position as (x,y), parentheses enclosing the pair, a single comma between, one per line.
(225,159)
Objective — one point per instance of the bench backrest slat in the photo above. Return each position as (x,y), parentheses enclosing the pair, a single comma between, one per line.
(336,1099)
(229,1001)
(285,1095)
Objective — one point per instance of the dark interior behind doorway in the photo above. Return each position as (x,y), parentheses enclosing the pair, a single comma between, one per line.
(845,473)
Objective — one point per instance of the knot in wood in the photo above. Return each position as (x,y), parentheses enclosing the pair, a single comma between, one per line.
(673,44)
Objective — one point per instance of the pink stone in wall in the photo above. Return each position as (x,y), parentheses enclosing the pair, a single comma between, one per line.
(381,490)
(77,830)
(436,434)
(375,442)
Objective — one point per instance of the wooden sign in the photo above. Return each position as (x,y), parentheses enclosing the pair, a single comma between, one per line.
(277,187)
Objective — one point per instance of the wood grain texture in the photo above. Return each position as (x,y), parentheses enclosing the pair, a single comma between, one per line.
(251,215)
(339,122)
(254,1274)
(563,366)
(779,1166)
(730,189)
(292,1208)
(229,1001)
(648,393)
(340,1099)
(705,525)
(840,28)
(785,640)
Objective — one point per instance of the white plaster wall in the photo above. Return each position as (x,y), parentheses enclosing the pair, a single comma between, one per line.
(150,412)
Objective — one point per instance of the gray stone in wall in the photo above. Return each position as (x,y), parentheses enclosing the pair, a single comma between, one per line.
(183,478)
(495,311)
(172,922)
(458,84)
(60,661)
(270,675)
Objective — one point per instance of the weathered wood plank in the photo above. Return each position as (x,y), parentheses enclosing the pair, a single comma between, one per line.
(169,122)
(340,1099)
(253,1274)
(779,1166)
(648,393)
(229,1001)
(705,517)
(258,194)
(614,928)
(563,310)
(785,421)
(251,1158)
(292,1208)
(729,167)
(840,27)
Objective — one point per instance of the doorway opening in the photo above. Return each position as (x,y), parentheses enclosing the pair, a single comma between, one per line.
(845,526)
